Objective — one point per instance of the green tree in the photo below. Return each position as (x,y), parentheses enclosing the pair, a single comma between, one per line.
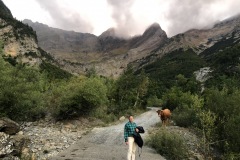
(225,105)
(128,91)
(185,106)
(141,89)
(78,97)
(207,126)
(188,84)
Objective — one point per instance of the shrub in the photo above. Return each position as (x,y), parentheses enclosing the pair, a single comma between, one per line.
(186,114)
(168,144)
(225,105)
(21,95)
(78,97)
(207,126)
(184,117)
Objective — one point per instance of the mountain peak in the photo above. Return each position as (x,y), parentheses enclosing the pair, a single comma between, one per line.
(154,29)
(154,25)
(111,32)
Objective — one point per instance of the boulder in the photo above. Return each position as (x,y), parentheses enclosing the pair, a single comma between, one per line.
(122,118)
(8,126)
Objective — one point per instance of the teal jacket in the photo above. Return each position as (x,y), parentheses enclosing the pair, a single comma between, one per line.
(129,129)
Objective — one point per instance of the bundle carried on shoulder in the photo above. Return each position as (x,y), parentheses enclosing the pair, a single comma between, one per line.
(137,137)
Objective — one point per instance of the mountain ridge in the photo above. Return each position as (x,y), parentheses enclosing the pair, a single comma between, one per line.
(114,53)
(108,53)
(198,40)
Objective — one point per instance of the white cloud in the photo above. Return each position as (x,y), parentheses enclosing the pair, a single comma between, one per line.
(130,17)
(28,9)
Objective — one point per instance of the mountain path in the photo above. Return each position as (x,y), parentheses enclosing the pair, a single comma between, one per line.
(107,143)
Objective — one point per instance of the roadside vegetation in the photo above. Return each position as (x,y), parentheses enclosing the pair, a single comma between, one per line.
(170,145)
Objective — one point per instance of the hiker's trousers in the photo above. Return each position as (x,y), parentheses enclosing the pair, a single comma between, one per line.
(131,148)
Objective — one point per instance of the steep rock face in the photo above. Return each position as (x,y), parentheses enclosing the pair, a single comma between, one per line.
(69,45)
(19,40)
(110,41)
(108,53)
(138,48)
(152,37)
(20,48)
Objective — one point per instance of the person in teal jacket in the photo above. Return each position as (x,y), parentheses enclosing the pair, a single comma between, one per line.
(129,129)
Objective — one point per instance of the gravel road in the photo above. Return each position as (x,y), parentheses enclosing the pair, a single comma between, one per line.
(107,143)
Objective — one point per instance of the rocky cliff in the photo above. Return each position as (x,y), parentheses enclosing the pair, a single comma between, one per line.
(221,35)
(108,53)
(24,48)
(19,40)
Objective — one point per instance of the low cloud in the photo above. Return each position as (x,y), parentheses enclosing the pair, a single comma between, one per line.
(176,16)
(122,16)
(66,18)
(180,15)
(187,14)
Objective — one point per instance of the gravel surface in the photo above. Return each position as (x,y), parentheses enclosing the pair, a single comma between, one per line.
(107,143)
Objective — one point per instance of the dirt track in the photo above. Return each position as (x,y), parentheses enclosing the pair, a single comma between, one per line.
(107,143)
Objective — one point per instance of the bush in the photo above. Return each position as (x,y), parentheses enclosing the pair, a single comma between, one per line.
(184,117)
(78,97)
(21,94)
(186,114)
(225,105)
(168,144)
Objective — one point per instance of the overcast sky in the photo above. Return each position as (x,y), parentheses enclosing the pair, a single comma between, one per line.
(129,17)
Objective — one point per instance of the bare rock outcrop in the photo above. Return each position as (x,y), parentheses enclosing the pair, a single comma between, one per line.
(8,126)
(20,46)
